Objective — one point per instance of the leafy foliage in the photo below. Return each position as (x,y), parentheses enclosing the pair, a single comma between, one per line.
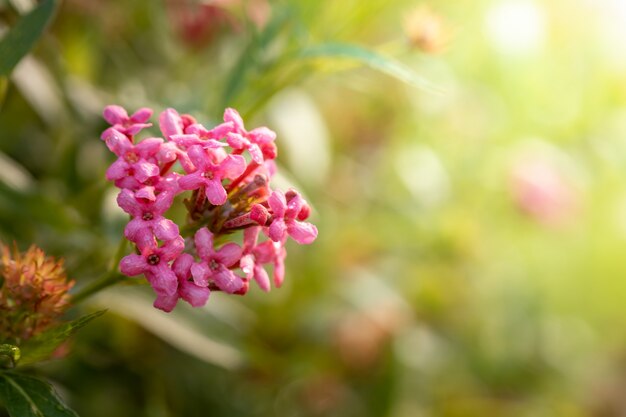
(27,396)
(21,38)
(44,344)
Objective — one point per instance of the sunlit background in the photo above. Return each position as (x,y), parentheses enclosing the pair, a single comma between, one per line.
(468,179)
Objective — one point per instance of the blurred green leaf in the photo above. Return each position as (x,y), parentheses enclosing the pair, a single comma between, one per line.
(370,58)
(26,396)
(21,38)
(249,59)
(41,346)
(4,85)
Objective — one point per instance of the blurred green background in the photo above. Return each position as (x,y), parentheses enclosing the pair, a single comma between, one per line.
(466,161)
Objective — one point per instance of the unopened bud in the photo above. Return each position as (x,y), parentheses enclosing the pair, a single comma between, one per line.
(259,214)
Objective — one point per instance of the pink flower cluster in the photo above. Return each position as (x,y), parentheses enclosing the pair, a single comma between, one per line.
(227,169)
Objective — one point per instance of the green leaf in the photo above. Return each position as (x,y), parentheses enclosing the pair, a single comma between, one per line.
(26,396)
(370,58)
(41,346)
(21,38)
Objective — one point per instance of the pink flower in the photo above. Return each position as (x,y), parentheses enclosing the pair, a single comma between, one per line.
(249,264)
(275,253)
(210,175)
(259,141)
(189,291)
(153,262)
(118,118)
(148,221)
(286,218)
(215,264)
(136,161)
(172,123)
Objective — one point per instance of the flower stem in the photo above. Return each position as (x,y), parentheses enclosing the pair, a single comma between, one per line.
(111,277)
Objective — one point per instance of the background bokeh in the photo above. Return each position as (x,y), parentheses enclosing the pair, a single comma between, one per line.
(468,180)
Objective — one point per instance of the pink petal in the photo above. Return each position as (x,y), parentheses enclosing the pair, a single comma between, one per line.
(250,236)
(146,193)
(117,170)
(261,278)
(168,152)
(172,248)
(247,265)
(170,123)
(226,280)
(192,181)
(265,252)
(145,170)
(126,200)
(148,147)
(196,129)
(204,243)
(279,273)
(162,279)
(133,264)
(277,230)
(236,141)
(294,205)
(163,202)
(136,128)
(200,273)
(199,157)
(231,115)
(115,114)
(195,295)
(128,182)
(186,140)
(262,135)
(137,227)
(232,166)
(142,115)
(302,232)
(166,302)
(278,204)
(117,142)
(220,131)
(215,192)
(165,229)
(228,254)
(255,153)
(182,266)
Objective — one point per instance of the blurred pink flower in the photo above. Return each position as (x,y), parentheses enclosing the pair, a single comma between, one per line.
(541,190)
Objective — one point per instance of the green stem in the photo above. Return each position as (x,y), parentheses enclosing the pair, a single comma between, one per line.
(108,279)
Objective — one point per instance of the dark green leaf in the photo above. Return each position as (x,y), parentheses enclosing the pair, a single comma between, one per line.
(370,58)
(26,396)
(41,346)
(21,38)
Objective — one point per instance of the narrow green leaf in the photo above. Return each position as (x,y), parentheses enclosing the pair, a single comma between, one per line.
(22,37)
(370,58)
(9,355)
(26,396)
(44,344)
(248,60)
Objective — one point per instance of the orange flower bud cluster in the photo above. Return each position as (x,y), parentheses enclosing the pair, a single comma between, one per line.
(33,292)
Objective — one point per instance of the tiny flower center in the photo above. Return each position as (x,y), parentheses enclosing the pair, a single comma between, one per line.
(153,259)
(131,157)
(208,175)
(213,265)
(147,216)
